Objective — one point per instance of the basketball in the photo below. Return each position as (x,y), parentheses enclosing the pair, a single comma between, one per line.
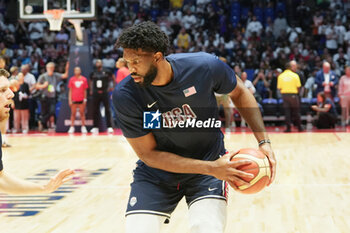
(260,168)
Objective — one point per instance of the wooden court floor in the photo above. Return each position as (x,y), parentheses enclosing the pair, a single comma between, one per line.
(311,192)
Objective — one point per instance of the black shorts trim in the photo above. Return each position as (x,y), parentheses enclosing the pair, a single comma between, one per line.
(78,102)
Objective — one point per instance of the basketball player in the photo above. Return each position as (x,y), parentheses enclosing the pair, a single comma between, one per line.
(9,183)
(179,162)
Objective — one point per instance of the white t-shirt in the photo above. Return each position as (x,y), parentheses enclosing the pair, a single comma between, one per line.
(29,79)
(36,30)
(108,63)
(254,26)
(248,84)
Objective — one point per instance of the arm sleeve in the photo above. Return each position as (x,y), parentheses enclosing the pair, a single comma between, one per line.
(224,78)
(129,115)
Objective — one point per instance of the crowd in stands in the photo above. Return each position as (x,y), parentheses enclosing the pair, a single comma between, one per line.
(257,36)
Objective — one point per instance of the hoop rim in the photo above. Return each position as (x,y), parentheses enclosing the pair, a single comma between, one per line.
(55,18)
(54,13)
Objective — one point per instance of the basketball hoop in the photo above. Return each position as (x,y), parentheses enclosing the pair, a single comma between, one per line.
(55,18)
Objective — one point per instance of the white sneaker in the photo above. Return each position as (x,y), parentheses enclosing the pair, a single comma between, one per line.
(83,130)
(71,129)
(94,130)
(25,131)
(110,130)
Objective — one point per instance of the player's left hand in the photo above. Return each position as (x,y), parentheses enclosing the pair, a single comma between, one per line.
(267,150)
(59,179)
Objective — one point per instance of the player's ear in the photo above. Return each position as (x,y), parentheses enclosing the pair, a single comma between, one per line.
(158,56)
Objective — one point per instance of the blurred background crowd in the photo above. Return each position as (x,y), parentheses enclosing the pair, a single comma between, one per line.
(257,38)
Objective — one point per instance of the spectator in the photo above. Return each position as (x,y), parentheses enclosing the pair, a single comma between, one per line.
(326,80)
(101,82)
(326,112)
(310,85)
(254,26)
(77,98)
(279,24)
(62,37)
(247,83)
(183,39)
(47,83)
(344,95)
(14,72)
(261,85)
(21,111)
(189,20)
(36,30)
(108,63)
(123,70)
(289,83)
(29,78)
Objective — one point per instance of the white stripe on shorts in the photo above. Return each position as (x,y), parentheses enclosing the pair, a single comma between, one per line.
(207,196)
(147,212)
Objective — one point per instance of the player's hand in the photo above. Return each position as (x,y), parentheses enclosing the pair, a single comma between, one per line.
(70,103)
(225,169)
(59,179)
(267,150)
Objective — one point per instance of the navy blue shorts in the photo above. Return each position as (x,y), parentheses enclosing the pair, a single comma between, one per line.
(158,192)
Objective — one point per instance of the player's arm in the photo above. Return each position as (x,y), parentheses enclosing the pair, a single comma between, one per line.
(222,168)
(13,185)
(249,110)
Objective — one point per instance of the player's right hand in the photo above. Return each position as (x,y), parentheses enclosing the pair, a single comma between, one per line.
(225,169)
(59,179)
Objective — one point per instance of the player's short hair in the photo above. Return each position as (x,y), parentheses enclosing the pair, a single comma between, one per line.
(146,36)
(5,73)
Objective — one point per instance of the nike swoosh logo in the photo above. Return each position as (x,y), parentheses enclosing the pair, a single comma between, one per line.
(211,189)
(150,105)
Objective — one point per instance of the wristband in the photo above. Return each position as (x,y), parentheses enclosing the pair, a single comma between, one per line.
(264,141)
(85,100)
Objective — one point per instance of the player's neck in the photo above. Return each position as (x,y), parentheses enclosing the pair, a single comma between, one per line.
(165,74)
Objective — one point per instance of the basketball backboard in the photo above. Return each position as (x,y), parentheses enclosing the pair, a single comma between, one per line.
(73,9)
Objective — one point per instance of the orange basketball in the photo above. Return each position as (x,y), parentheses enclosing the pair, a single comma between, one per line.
(260,168)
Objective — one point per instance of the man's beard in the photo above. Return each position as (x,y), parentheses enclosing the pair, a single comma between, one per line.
(149,77)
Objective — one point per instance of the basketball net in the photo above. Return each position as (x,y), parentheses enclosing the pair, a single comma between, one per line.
(55,18)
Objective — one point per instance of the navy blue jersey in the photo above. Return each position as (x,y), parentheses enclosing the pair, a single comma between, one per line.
(190,94)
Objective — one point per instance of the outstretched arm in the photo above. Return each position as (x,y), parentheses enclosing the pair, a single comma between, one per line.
(13,185)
